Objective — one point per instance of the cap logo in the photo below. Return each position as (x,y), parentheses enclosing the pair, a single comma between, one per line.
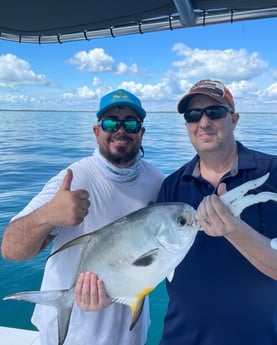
(120,94)
(215,88)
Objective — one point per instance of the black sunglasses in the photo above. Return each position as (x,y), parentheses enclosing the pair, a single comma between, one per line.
(213,112)
(111,125)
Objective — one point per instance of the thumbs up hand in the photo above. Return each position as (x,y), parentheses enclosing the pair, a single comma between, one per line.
(68,208)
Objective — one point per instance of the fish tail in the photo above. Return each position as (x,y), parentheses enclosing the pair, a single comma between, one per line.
(62,300)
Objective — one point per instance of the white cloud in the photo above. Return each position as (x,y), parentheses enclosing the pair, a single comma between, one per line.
(14,99)
(245,73)
(272,91)
(15,71)
(84,97)
(97,60)
(240,89)
(122,69)
(25,101)
(81,92)
(228,64)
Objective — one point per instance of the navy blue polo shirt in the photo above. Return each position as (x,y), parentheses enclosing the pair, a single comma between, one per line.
(217,297)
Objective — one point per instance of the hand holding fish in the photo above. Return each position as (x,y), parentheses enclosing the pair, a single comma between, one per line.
(90,293)
(68,208)
(219,216)
(215,219)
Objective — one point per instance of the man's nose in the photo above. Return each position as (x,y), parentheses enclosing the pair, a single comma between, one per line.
(204,120)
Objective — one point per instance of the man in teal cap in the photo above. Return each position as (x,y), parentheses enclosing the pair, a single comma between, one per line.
(84,197)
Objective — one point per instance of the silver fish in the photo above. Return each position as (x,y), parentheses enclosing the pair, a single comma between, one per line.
(135,253)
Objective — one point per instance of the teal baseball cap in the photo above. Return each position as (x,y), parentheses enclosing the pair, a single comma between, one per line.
(118,98)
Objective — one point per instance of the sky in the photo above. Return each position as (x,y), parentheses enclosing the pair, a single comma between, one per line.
(158,67)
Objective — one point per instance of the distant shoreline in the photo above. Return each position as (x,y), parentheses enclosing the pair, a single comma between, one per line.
(94,111)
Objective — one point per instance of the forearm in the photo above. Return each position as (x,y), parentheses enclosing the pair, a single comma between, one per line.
(25,237)
(256,248)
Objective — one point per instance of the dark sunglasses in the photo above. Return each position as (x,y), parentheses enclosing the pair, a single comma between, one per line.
(112,125)
(213,112)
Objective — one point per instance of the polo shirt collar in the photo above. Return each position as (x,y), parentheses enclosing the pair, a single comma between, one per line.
(244,160)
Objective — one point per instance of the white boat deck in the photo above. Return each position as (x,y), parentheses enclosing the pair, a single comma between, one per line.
(15,336)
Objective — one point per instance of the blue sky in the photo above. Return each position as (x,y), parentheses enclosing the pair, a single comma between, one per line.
(158,67)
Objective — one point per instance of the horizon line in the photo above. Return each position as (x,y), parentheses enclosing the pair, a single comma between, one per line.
(95,111)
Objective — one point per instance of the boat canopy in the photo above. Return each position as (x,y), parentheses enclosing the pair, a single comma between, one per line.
(58,21)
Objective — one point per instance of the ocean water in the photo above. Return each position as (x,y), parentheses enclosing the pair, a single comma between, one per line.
(34,146)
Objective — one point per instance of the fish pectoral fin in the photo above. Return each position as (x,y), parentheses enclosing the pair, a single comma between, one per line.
(147,258)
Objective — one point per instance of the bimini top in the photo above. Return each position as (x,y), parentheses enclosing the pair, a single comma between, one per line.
(58,21)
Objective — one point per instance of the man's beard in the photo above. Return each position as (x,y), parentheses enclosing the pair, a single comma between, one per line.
(121,157)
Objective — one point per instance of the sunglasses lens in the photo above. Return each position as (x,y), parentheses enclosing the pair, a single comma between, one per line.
(110,125)
(216,113)
(193,115)
(113,125)
(132,126)
(213,113)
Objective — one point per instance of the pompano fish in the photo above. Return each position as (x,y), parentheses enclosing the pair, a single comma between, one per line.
(135,253)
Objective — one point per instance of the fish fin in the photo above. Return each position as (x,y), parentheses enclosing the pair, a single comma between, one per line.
(122,300)
(137,305)
(239,191)
(251,199)
(170,276)
(41,297)
(147,258)
(63,318)
(136,310)
(62,300)
(236,201)
(79,240)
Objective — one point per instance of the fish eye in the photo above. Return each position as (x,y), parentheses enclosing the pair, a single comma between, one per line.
(181,221)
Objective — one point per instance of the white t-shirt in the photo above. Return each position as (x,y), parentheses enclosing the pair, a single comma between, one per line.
(109,200)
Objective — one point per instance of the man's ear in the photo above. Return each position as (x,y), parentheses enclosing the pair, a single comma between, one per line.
(96,130)
(235,118)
